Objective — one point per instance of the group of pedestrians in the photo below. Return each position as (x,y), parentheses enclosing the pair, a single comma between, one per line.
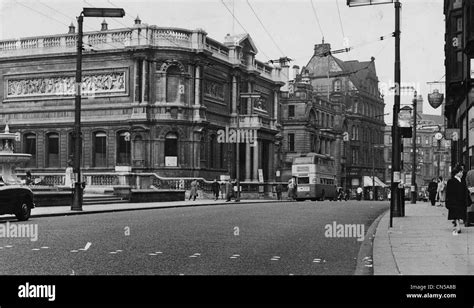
(437,191)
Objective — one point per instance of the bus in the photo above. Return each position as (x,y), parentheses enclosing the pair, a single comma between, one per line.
(315,177)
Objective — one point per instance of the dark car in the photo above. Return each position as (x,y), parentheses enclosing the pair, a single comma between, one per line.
(17,200)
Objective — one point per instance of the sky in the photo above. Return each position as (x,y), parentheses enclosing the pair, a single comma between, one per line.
(278,28)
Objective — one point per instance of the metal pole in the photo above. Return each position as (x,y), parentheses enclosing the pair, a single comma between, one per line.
(413,169)
(77,198)
(237,171)
(395,204)
(373,172)
(439,157)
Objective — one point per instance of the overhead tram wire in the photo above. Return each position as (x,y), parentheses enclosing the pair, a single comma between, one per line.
(240,24)
(340,23)
(265,28)
(317,19)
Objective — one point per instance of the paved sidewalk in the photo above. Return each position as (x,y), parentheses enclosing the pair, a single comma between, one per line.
(422,243)
(117,207)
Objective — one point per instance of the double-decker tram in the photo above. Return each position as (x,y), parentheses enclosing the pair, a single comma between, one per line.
(315,177)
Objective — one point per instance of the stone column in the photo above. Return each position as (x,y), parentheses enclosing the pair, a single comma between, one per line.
(255,161)
(234,96)
(275,106)
(145,81)
(271,162)
(247,162)
(197,92)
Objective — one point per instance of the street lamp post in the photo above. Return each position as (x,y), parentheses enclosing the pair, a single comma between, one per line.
(79,185)
(413,167)
(395,204)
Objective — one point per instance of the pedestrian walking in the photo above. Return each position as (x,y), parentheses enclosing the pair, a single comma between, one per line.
(456,199)
(441,191)
(229,190)
(193,193)
(359,193)
(291,188)
(215,189)
(432,190)
(222,188)
(279,189)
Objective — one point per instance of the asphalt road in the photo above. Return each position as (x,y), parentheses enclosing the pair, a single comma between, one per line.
(232,239)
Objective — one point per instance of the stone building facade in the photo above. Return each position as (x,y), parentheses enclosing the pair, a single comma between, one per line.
(459,64)
(351,88)
(153,100)
(310,124)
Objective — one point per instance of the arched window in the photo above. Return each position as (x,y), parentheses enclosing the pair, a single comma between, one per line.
(123,148)
(171,150)
(99,157)
(139,151)
(337,85)
(52,150)
(29,147)
(174,86)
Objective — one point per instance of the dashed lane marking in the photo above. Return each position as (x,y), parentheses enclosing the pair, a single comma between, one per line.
(275,258)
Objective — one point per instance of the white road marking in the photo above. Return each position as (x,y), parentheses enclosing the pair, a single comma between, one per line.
(35,249)
(119,250)
(74,251)
(88,245)
(113,252)
(45,247)
(158,252)
(275,258)
(8,246)
(152,254)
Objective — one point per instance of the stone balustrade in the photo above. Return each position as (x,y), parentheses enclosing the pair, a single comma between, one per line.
(134,37)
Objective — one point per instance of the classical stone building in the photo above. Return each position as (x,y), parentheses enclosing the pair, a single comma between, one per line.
(153,100)
(310,124)
(351,87)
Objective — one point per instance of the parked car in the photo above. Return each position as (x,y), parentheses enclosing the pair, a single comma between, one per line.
(16,199)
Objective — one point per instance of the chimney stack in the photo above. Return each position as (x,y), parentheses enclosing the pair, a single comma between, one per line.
(320,50)
(72,29)
(104,26)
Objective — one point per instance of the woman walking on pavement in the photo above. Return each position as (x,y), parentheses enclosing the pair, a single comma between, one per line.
(193,193)
(432,188)
(456,199)
(441,191)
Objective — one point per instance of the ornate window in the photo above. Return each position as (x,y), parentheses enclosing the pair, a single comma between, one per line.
(99,157)
(52,150)
(123,148)
(29,147)
(171,150)
(174,85)
(337,85)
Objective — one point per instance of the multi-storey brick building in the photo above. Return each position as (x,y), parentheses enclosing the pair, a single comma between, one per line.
(310,124)
(153,101)
(351,87)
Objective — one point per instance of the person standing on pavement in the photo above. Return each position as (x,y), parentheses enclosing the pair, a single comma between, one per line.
(291,188)
(193,193)
(215,189)
(229,190)
(456,199)
(441,191)
(278,189)
(432,189)
(359,193)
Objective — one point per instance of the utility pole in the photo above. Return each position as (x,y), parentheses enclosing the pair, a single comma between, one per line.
(413,168)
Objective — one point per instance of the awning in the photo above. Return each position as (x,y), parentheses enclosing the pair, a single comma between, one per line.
(368,182)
